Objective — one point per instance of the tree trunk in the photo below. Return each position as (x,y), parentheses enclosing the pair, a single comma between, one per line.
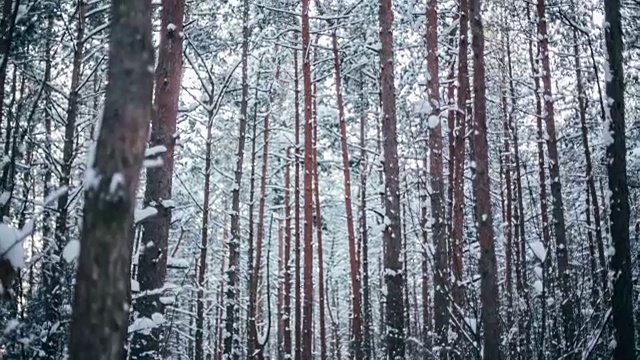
(152,263)
(458,157)
(256,350)
(392,235)
(7,26)
(436,182)
(544,214)
(364,230)
(519,216)
(622,299)
(287,256)
(99,320)
(591,185)
(351,237)
(204,240)
(508,213)
(251,306)
(562,255)
(484,219)
(53,347)
(232,340)
(318,218)
(307,306)
(296,211)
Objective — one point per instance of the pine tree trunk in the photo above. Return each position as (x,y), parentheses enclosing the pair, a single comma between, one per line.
(99,320)
(204,241)
(7,26)
(232,341)
(251,306)
(318,218)
(287,256)
(54,346)
(296,211)
(562,255)
(519,217)
(307,305)
(591,185)
(393,276)
(351,237)
(364,230)
(152,263)
(458,157)
(484,219)
(438,228)
(622,297)
(256,350)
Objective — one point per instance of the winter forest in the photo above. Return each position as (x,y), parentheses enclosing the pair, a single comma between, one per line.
(319,179)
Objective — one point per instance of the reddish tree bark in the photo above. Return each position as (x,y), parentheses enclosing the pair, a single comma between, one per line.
(393,276)
(484,219)
(296,212)
(287,257)
(152,263)
(562,255)
(351,237)
(318,218)
(458,156)
(307,306)
(232,341)
(436,182)
(256,349)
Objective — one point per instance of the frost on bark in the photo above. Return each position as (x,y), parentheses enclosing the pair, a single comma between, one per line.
(393,276)
(622,297)
(100,312)
(152,262)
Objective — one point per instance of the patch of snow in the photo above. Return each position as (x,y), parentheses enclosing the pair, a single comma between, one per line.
(433,122)
(155,151)
(537,286)
(11,326)
(168,203)
(538,271)
(473,324)
(178,263)
(143,214)
(71,251)
(143,325)
(422,108)
(152,163)
(167,300)
(135,285)
(538,250)
(117,181)
(11,246)
(4,197)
